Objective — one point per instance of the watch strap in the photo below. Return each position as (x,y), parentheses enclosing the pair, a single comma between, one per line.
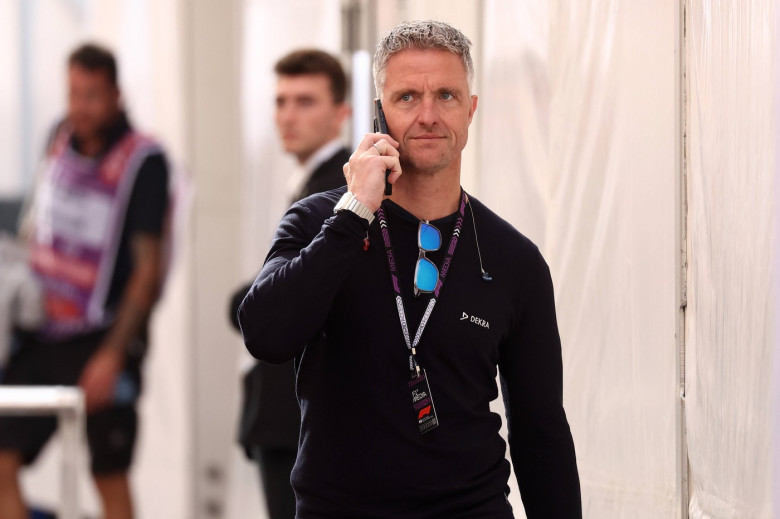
(348,202)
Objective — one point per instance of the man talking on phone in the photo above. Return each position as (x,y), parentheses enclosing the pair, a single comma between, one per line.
(399,312)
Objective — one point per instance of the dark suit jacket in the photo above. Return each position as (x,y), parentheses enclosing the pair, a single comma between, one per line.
(270,415)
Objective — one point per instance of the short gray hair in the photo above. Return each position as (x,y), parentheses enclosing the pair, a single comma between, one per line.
(421,34)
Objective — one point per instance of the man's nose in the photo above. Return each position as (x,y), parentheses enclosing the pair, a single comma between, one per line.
(77,107)
(427,115)
(76,100)
(285,114)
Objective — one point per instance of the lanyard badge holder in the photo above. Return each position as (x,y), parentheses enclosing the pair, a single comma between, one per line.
(422,402)
(419,386)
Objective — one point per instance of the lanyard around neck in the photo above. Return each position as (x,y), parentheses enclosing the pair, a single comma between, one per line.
(414,366)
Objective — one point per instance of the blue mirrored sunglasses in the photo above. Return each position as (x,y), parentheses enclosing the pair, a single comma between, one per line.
(426,275)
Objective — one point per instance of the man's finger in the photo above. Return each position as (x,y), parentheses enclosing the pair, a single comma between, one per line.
(383,147)
(370,138)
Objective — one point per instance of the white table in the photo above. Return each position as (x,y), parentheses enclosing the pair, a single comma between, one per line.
(67,403)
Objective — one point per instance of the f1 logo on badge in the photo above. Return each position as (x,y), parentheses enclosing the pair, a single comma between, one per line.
(424,411)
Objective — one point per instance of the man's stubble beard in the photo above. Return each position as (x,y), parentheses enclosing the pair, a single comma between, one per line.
(411,167)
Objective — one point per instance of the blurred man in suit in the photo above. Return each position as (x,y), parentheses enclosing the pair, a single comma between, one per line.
(310,112)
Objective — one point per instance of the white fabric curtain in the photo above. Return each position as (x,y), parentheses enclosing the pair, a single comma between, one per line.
(732,139)
(578,152)
(582,97)
(11,174)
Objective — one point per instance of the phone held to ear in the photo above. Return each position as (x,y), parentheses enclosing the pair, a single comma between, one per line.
(380,125)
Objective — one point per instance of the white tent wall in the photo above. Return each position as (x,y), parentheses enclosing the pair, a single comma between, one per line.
(581,97)
(732,139)
(11,100)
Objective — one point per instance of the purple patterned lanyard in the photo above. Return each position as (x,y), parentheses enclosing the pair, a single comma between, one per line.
(414,366)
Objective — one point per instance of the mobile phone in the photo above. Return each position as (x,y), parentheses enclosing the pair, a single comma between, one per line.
(380,125)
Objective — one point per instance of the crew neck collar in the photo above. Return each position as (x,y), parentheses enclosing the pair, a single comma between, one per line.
(397,210)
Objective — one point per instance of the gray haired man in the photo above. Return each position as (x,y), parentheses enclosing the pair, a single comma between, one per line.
(397,328)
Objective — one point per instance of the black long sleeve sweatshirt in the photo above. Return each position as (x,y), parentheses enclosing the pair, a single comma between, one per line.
(323,300)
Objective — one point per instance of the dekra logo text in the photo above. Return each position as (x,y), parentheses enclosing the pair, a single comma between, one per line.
(474,319)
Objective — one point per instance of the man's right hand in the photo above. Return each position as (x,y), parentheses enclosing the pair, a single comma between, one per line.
(365,171)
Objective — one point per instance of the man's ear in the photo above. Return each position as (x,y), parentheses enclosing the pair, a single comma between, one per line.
(473,108)
(344,112)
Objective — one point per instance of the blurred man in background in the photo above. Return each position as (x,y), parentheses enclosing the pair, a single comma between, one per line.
(310,112)
(96,235)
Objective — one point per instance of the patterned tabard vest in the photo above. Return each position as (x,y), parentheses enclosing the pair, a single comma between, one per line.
(79,216)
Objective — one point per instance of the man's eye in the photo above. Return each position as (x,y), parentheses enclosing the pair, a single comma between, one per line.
(406,97)
(447,96)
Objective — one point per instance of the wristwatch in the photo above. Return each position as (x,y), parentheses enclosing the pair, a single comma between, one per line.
(348,202)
